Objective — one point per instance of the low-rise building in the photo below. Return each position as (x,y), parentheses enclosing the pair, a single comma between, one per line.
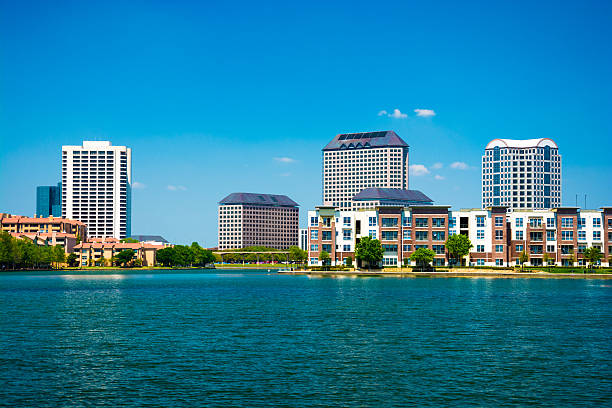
(45,230)
(90,252)
(498,234)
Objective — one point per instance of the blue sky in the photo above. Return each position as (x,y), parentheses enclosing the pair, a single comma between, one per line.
(218,98)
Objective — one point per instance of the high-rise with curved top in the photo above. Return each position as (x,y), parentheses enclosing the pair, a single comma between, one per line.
(521,174)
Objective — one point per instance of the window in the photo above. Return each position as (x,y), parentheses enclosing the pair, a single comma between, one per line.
(420,222)
(550,248)
(372,234)
(499,221)
(480,262)
(388,235)
(581,235)
(372,221)
(314,247)
(519,235)
(519,222)
(347,220)
(479,248)
(314,221)
(535,222)
(314,234)
(596,222)
(596,235)
(499,249)
(407,234)
(480,221)
(407,221)
(567,235)
(519,248)
(437,222)
(550,222)
(567,222)
(550,235)
(389,248)
(326,235)
(499,235)
(389,222)
(499,262)
(479,234)
(346,248)
(313,260)
(346,233)
(421,235)
(438,236)
(407,248)
(438,249)
(452,222)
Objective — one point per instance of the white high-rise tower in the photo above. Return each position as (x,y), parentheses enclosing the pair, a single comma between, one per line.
(521,174)
(96,187)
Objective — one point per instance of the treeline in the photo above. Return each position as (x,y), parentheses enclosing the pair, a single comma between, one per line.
(184,255)
(295,254)
(24,254)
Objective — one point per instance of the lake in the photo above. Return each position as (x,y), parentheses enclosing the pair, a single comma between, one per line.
(257,339)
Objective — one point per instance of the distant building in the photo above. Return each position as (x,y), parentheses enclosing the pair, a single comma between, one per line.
(250,219)
(521,174)
(48,231)
(49,201)
(303,239)
(96,187)
(355,161)
(89,253)
(385,197)
(151,239)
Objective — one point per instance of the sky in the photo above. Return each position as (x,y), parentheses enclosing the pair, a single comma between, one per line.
(215,98)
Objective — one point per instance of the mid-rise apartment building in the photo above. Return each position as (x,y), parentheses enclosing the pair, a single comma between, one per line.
(49,201)
(96,187)
(355,161)
(521,174)
(499,235)
(252,219)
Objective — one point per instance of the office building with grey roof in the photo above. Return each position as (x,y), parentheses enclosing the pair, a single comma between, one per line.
(253,219)
(355,161)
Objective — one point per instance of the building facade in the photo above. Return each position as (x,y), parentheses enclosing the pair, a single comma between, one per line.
(252,219)
(47,231)
(498,235)
(49,201)
(90,253)
(96,187)
(521,174)
(355,161)
(303,244)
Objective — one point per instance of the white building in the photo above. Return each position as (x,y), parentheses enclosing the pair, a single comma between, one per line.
(521,174)
(303,242)
(355,161)
(96,187)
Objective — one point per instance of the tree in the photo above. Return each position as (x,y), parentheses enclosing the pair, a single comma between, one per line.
(72,260)
(137,263)
(545,259)
(369,250)
(523,257)
(324,257)
(406,262)
(458,246)
(124,257)
(129,240)
(297,254)
(422,257)
(166,256)
(349,261)
(59,255)
(572,257)
(593,255)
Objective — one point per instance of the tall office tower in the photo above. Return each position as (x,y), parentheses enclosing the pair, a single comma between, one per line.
(354,161)
(49,201)
(96,187)
(521,174)
(251,219)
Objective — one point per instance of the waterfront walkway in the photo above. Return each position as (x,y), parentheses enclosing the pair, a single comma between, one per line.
(482,273)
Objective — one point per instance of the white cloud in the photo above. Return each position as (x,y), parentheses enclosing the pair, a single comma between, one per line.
(397,114)
(459,166)
(438,177)
(176,188)
(437,166)
(418,170)
(138,185)
(425,113)
(284,159)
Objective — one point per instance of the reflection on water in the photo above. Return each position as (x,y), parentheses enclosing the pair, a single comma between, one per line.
(258,339)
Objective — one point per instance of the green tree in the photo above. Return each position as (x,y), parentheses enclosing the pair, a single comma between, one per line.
(523,258)
(59,255)
(297,254)
(572,257)
(7,249)
(125,257)
(458,246)
(166,256)
(369,250)
(545,259)
(422,257)
(324,257)
(72,260)
(593,255)
(349,261)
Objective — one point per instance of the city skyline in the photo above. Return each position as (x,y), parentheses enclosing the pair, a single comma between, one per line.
(205,121)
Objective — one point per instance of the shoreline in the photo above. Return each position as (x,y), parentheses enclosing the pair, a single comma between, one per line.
(471,274)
